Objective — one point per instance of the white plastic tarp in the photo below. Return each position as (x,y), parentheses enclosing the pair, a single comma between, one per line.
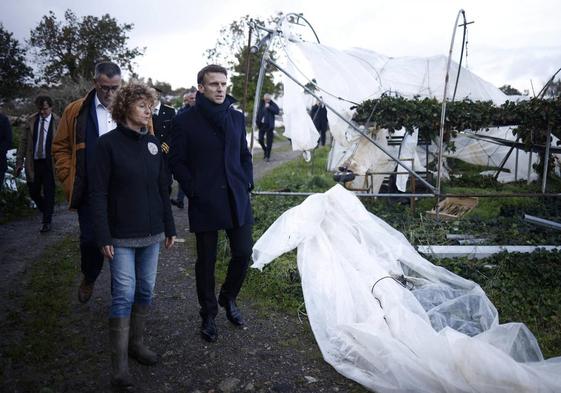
(481,152)
(442,335)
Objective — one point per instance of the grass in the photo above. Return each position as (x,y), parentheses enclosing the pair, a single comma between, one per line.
(45,314)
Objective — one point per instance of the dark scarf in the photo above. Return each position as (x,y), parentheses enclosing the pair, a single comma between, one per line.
(218,115)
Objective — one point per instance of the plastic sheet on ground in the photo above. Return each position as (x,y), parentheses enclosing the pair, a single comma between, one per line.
(440,334)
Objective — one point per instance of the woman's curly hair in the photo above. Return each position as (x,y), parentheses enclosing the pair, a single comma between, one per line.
(127,95)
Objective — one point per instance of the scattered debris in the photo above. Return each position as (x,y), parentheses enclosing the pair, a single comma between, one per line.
(453,208)
(478,252)
(542,222)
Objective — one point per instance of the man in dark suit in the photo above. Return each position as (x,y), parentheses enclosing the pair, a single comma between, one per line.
(319,117)
(35,149)
(210,160)
(266,124)
(162,116)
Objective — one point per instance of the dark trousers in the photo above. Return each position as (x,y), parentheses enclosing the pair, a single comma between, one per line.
(322,134)
(263,132)
(241,244)
(91,258)
(42,189)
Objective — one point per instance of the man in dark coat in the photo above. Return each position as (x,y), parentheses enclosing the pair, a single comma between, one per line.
(5,145)
(162,115)
(266,124)
(319,117)
(161,121)
(35,150)
(210,160)
(188,103)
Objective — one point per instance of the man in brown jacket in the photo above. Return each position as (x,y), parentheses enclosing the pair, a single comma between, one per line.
(82,122)
(35,150)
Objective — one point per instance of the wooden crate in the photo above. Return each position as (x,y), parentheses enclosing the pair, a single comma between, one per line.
(453,208)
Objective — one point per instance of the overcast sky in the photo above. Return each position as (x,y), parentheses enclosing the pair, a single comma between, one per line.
(511,42)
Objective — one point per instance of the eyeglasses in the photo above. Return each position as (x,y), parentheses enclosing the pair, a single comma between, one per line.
(107,89)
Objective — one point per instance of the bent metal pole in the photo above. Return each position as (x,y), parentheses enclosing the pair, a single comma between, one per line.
(443,111)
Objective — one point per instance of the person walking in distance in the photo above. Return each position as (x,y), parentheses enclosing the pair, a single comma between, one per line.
(266,124)
(35,150)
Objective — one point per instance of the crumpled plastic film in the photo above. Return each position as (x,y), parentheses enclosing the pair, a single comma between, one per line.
(438,333)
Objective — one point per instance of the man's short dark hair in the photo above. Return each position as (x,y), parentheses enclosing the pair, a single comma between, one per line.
(208,69)
(40,101)
(106,68)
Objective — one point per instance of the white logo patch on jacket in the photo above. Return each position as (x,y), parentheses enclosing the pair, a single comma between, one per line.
(152,148)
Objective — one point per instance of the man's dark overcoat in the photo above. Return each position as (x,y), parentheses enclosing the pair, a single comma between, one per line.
(214,169)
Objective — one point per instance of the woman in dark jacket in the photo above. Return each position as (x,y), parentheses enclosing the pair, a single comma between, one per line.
(133,215)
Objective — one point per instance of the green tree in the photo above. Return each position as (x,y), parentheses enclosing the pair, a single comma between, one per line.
(509,90)
(72,47)
(14,72)
(231,51)
(239,77)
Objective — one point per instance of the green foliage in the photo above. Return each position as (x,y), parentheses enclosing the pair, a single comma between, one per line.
(533,118)
(14,72)
(238,79)
(72,47)
(509,90)
(231,51)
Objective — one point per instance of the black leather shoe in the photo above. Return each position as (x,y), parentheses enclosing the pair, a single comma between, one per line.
(233,313)
(208,330)
(45,228)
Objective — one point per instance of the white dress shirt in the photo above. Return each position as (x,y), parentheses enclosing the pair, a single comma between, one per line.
(45,132)
(156,108)
(105,122)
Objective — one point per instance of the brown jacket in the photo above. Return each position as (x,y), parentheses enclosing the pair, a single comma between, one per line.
(69,149)
(26,148)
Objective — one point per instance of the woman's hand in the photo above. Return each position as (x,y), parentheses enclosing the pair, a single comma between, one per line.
(108,251)
(169,241)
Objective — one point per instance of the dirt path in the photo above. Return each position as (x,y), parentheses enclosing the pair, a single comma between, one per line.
(273,353)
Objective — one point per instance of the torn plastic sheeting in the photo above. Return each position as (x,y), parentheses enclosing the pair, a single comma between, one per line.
(442,336)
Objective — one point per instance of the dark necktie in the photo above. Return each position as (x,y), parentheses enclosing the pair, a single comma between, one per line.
(40,148)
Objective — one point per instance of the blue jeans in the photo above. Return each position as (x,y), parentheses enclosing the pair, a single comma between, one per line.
(133,275)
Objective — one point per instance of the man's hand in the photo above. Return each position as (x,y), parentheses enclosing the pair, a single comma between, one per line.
(108,251)
(169,241)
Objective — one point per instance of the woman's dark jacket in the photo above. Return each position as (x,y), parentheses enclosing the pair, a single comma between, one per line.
(130,194)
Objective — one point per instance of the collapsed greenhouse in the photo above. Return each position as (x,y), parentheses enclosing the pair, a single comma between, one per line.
(345,78)
(382,314)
